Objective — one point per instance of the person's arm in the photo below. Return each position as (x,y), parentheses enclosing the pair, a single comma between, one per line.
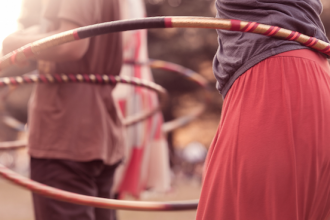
(67,52)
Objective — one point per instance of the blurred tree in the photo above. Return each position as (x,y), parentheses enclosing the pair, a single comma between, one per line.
(188,47)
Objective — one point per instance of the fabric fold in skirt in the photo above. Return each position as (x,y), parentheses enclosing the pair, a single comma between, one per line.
(270,158)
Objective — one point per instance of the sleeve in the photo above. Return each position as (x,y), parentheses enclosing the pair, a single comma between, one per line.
(80,12)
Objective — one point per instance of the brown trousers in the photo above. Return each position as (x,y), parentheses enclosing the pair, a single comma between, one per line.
(92,178)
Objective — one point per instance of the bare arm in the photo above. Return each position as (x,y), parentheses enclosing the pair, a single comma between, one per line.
(67,52)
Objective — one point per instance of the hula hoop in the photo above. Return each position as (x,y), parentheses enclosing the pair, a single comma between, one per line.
(13,123)
(23,53)
(94,201)
(10,145)
(96,79)
(176,68)
(29,50)
(192,76)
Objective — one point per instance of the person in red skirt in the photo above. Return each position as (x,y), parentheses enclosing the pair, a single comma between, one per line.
(270,158)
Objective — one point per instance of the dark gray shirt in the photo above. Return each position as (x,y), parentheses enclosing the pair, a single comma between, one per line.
(240,51)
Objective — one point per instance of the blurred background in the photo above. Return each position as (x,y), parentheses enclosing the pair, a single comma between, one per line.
(191,48)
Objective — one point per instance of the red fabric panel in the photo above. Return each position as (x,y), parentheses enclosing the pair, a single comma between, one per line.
(122,106)
(270,158)
(132,175)
(137,68)
(168,22)
(235,25)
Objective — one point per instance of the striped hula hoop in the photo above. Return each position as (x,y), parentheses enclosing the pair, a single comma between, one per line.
(25,52)
(29,50)
(95,79)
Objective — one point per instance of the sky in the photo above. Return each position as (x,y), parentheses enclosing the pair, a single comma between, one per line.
(9,12)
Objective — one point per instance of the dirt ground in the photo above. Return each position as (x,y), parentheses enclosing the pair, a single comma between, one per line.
(15,202)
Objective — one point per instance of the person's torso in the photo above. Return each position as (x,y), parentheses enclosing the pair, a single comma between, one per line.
(239,51)
(79,121)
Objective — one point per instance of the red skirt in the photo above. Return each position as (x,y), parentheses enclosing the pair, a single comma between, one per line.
(270,158)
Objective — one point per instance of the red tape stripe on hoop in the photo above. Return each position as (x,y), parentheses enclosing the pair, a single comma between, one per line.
(28,51)
(75,35)
(326,50)
(272,31)
(293,36)
(168,22)
(235,25)
(250,27)
(311,42)
(13,57)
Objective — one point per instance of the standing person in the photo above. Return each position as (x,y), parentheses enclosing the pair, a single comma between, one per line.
(75,135)
(270,158)
(146,164)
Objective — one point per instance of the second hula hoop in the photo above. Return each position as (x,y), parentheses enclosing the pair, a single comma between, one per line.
(95,79)
(190,75)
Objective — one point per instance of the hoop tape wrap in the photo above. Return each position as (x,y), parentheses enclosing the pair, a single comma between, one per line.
(96,79)
(30,50)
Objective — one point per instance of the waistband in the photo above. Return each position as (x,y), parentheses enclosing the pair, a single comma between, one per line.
(308,54)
